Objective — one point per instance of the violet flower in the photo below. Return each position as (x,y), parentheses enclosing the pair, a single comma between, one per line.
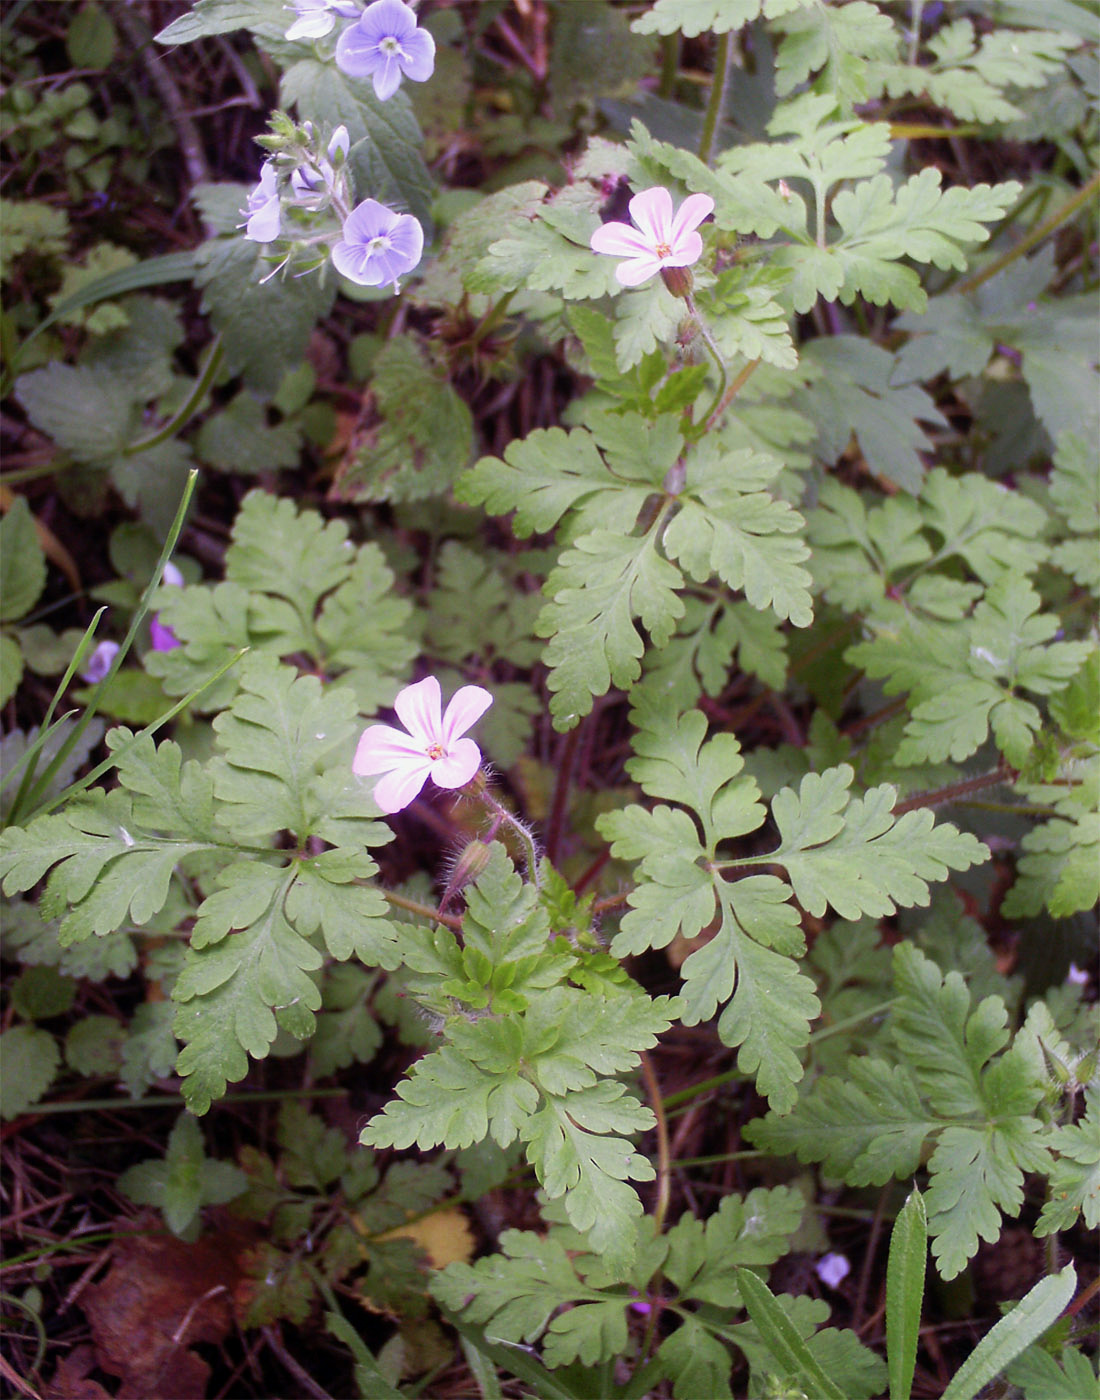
(378,245)
(264,214)
(432,747)
(386,45)
(160,634)
(660,240)
(99,663)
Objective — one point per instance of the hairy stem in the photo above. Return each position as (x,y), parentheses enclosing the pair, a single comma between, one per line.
(731,393)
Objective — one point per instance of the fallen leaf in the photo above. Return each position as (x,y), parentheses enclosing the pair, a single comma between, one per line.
(159,1297)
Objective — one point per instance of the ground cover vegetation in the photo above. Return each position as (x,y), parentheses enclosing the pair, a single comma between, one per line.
(551,698)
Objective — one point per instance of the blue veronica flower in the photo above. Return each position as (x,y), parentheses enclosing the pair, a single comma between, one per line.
(386,45)
(264,214)
(378,245)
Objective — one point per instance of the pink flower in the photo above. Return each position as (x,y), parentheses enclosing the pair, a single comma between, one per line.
(659,240)
(432,747)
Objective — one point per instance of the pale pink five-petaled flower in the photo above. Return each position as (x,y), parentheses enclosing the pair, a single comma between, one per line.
(432,748)
(661,239)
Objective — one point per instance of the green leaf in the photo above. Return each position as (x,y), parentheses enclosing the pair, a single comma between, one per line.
(1058,868)
(854,393)
(1075,493)
(852,854)
(772,1003)
(978,1169)
(265,325)
(905,1293)
(549,251)
(11,667)
(291,554)
(731,526)
(273,738)
(424,437)
(596,591)
(1040,1377)
(88,412)
(22,565)
(235,992)
(240,439)
(1074,1190)
(692,17)
(41,992)
(970,77)
(917,221)
(104,868)
(90,38)
(149,1050)
(93,1046)
(840,45)
(864,1127)
(1029,1319)
(185,1181)
(751,1230)
(29,1059)
(209,17)
(791,1354)
(543,476)
(697,1362)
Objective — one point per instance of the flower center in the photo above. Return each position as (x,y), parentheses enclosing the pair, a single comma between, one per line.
(436,751)
(378,244)
(663,250)
(389,46)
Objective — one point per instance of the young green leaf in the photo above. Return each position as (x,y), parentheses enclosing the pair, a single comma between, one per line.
(905,1293)
(1028,1320)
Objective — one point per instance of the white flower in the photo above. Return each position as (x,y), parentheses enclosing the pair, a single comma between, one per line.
(432,747)
(316,17)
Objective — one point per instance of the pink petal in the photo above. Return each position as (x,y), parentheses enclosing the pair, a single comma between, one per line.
(620,240)
(687,250)
(638,270)
(689,216)
(382,748)
(652,212)
(467,706)
(397,789)
(418,709)
(459,765)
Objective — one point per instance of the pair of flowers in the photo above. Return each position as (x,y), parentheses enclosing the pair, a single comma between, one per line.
(378,245)
(385,44)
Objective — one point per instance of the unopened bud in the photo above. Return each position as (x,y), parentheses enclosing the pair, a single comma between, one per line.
(678,280)
(468,865)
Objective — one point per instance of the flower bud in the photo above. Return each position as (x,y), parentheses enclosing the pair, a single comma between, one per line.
(467,866)
(678,280)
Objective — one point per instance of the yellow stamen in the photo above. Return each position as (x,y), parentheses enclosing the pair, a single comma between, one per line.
(663,250)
